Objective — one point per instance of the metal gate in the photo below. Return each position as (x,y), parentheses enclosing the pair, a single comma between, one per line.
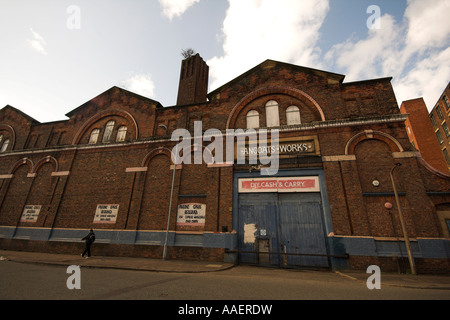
(282,229)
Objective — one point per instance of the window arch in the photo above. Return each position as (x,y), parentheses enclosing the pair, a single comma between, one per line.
(293,115)
(108,131)
(252,119)
(121,134)
(93,138)
(272,115)
(5,145)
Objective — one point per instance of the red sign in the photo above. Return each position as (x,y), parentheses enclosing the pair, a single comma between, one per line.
(282,184)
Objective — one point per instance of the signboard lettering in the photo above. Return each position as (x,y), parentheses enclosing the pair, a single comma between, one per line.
(30,213)
(280,184)
(287,147)
(191,214)
(106,213)
(307,147)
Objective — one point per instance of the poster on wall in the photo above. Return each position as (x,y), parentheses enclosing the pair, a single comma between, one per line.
(191,214)
(106,213)
(30,213)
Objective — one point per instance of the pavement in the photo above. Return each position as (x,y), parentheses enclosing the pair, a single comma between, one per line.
(421,281)
(125,263)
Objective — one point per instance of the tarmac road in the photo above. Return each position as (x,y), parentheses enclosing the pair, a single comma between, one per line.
(30,281)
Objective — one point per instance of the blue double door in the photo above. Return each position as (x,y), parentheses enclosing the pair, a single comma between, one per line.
(282,229)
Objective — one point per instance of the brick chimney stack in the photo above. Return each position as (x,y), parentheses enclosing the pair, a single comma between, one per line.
(193,86)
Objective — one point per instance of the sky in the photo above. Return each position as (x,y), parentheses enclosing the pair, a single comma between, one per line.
(56,55)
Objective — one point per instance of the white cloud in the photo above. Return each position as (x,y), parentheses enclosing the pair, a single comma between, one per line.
(427,47)
(141,84)
(415,52)
(372,57)
(256,30)
(428,24)
(38,42)
(427,79)
(173,8)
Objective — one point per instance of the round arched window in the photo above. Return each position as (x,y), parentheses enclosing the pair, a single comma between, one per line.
(252,119)
(108,131)
(293,115)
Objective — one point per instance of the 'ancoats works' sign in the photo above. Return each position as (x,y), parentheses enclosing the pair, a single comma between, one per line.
(280,184)
(287,147)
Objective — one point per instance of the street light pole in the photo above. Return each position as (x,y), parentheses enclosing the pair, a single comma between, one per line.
(402,222)
(170,203)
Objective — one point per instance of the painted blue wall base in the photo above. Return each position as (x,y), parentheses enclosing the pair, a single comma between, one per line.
(339,245)
(158,238)
(368,246)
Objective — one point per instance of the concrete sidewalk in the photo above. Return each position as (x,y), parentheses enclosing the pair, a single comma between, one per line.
(441,282)
(126,263)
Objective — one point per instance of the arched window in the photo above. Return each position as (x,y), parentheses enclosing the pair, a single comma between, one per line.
(272,115)
(293,115)
(5,145)
(121,134)
(94,136)
(252,119)
(108,131)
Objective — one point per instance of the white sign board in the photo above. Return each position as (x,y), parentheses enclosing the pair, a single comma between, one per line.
(30,213)
(191,214)
(106,213)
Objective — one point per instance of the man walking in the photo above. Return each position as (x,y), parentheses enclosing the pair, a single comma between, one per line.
(90,238)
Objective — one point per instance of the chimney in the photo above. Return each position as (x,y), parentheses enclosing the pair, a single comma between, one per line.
(193,86)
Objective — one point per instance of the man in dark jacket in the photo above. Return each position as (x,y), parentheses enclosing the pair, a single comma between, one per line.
(90,238)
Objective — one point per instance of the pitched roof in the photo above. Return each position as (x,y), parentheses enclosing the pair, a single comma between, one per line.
(271,64)
(109,91)
(23,114)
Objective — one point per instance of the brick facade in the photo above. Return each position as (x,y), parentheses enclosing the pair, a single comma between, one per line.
(359,132)
(440,119)
(422,134)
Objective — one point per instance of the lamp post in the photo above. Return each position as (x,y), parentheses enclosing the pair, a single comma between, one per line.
(170,203)
(402,222)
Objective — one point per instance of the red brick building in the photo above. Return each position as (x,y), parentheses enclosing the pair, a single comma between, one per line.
(109,167)
(440,119)
(429,133)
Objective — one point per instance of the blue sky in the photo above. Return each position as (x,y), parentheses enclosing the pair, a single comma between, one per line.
(56,54)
